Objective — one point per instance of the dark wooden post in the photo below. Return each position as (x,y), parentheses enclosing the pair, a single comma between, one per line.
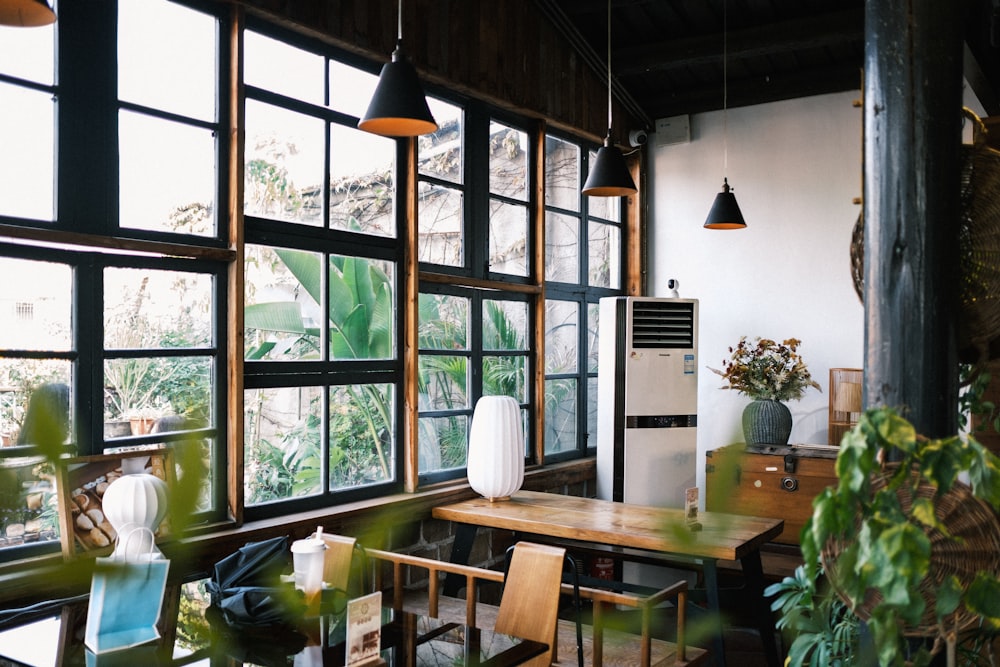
(912,116)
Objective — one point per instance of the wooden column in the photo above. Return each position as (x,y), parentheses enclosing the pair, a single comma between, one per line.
(913,98)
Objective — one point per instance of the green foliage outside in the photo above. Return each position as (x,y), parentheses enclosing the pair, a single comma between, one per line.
(360,327)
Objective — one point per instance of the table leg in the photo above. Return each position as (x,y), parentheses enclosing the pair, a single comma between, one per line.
(461,548)
(711,574)
(753,574)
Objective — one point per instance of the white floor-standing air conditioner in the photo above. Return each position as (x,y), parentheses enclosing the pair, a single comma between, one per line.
(647,414)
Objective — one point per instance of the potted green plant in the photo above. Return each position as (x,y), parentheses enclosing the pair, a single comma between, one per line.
(909,547)
(769,373)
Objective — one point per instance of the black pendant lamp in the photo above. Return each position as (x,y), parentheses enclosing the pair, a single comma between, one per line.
(26,13)
(398,108)
(609,175)
(725,212)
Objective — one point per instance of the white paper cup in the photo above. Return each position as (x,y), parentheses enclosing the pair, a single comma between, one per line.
(307,561)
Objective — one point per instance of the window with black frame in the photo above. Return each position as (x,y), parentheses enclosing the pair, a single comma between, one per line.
(322,372)
(583,262)
(475,223)
(110,343)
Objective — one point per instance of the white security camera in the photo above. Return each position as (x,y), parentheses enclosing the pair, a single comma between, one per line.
(637,138)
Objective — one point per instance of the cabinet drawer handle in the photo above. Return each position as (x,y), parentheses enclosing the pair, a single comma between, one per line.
(770,468)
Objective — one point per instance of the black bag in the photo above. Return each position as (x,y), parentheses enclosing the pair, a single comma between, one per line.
(246,586)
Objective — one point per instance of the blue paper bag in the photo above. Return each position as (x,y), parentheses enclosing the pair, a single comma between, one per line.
(125,601)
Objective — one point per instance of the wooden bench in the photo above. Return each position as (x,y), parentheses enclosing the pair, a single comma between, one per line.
(599,642)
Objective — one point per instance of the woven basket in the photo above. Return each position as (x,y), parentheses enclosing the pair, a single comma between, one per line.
(978,240)
(973,547)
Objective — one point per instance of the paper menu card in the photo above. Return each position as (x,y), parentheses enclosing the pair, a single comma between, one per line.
(364,628)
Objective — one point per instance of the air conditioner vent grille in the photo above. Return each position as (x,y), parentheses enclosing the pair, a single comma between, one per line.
(664,324)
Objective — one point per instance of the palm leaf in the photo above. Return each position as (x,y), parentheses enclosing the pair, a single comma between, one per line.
(283,316)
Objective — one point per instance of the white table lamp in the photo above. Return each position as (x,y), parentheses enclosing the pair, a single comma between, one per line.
(135,505)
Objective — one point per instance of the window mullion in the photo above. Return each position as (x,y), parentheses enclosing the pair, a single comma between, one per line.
(87,135)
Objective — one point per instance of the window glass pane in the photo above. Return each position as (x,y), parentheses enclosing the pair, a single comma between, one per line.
(362,445)
(505,325)
(193,457)
(28,53)
(440,153)
(608,208)
(35,304)
(593,333)
(444,322)
(604,244)
(560,415)
(443,382)
(167,175)
(167,57)
(362,308)
(443,443)
(29,512)
(440,224)
(139,391)
(283,164)
(351,89)
(282,315)
(145,308)
(362,193)
(562,174)
(283,68)
(34,401)
(561,336)
(283,454)
(508,162)
(562,248)
(508,238)
(156,310)
(27,170)
(506,376)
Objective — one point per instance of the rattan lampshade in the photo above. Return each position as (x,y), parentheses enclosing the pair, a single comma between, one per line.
(978,229)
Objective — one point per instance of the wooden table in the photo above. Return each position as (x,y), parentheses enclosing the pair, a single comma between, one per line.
(653,529)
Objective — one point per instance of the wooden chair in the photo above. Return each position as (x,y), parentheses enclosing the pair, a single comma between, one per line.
(529,606)
(399,565)
(574,579)
(337,560)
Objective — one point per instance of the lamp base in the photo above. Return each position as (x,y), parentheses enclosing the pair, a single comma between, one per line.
(498,499)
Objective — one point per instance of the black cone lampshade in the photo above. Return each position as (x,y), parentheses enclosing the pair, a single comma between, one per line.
(398,107)
(725,213)
(609,175)
(26,13)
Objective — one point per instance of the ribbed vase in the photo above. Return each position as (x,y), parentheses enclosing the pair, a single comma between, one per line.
(496,447)
(766,422)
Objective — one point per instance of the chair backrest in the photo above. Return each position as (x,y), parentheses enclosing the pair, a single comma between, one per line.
(529,607)
(337,560)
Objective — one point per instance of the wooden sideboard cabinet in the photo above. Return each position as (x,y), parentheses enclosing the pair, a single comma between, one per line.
(772,481)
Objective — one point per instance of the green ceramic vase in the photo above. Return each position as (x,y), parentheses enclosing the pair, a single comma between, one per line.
(766,422)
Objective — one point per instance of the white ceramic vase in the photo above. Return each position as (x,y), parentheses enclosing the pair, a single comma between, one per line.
(496,448)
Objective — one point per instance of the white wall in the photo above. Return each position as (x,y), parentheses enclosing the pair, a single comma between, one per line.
(795,168)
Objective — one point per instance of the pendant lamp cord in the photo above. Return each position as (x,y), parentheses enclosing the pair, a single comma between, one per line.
(725,88)
(399,22)
(609,68)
